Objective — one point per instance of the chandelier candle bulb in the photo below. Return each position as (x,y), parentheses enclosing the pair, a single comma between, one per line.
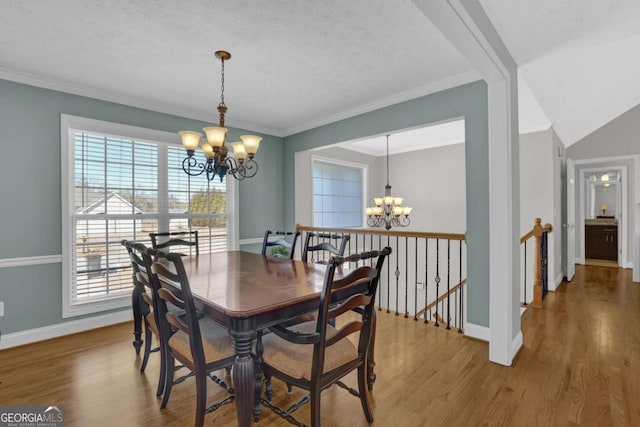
(251,144)
(190,140)
(215,136)
(207,149)
(239,151)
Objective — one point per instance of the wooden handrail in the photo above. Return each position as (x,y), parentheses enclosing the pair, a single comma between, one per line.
(441,298)
(418,234)
(531,233)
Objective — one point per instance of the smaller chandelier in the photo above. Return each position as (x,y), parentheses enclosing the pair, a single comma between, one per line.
(388,210)
(214,148)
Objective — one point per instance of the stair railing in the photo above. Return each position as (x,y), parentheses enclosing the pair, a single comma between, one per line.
(540,235)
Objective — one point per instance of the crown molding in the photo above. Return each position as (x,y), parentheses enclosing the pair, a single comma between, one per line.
(109,96)
(104,95)
(438,86)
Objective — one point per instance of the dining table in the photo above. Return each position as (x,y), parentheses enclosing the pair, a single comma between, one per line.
(246,293)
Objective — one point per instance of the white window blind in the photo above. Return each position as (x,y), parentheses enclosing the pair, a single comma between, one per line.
(337,194)
(121,184)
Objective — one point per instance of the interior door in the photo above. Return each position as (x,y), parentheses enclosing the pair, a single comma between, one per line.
(570,226)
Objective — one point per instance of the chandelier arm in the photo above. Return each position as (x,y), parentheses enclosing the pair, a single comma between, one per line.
(234,168)
(189,163)
(250,168)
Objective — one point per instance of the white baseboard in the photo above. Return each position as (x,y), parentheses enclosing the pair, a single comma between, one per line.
(476,331)
(556,282)
(65,328)
(516,343)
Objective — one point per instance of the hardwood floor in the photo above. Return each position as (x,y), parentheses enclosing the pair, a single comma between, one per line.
(580,365)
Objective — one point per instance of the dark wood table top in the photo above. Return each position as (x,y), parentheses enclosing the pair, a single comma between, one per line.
(244,284)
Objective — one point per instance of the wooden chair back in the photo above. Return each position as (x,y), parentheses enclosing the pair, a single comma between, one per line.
(279,238)
(323,245)
(166,240)
(169,269)
(336,300)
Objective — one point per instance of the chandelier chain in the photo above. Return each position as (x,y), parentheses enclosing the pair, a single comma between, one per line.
(222,85)
(387,159)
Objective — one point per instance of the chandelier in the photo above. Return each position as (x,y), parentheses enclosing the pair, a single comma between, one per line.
(388,210)
(214,149)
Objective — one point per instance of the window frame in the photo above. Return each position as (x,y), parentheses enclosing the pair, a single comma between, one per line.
(69,125)
(363,169)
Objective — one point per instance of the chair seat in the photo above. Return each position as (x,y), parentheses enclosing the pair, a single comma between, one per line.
(216,342)
(295,359)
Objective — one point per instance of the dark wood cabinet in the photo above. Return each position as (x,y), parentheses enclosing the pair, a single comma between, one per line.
(601,241)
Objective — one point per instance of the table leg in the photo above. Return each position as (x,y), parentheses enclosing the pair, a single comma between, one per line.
(243,370)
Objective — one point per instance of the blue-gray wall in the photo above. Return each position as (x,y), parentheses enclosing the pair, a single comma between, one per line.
(30,191)
(468,101)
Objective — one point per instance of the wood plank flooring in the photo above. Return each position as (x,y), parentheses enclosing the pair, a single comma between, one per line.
(580,365)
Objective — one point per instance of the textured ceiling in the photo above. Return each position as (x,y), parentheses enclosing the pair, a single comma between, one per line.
(580,58)
(298,64)
(295,65)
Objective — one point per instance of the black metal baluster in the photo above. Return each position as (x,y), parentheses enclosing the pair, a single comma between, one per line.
(406,277)
(415,290)
(545,276)
(448,284)
(388,277)
(370,247)
(380,287)
(426,279)
(397,274)
(437,278)
(460,293)
(357,251)
(525,272)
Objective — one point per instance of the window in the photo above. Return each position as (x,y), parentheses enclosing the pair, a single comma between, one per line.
(121,182)
(337,193)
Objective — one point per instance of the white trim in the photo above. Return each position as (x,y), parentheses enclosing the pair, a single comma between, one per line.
(476,331)
(397,98)
(635,158)
(64,328)
(104,95)
(621,196)
(68,126)
(131,101)
(558,280)
(30,260)
(251,241)
(516,344)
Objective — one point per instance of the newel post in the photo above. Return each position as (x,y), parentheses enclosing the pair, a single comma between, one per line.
(537,275)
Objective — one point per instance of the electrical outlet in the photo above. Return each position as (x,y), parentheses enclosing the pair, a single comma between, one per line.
(420,285)
(1,308)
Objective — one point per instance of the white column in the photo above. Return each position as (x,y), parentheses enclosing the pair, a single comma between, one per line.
(467,27)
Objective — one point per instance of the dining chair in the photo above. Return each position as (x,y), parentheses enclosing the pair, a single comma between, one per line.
(166,240)
(199,344)
(275,239)
(144,302)
(315,355)
(320,243)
